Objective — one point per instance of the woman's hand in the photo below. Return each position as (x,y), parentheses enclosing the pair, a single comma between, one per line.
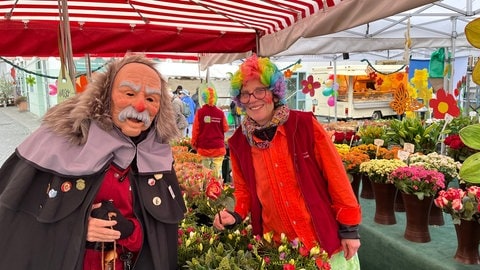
(100,230)
(350,247)
(222,219)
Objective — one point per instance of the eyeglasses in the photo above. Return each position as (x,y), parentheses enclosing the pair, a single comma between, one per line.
(258,93)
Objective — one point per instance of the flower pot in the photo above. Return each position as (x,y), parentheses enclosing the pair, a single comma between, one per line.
(436,216)
(468,239)
(384,203)
(355,182)
(367,191)
(417,215)
(398,205)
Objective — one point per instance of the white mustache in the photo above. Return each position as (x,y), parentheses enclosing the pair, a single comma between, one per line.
(130,112)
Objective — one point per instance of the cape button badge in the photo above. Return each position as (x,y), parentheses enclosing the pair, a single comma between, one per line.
(158,176)
(80,184)
(66,186)
(157,201)
(52,193)
(151,182)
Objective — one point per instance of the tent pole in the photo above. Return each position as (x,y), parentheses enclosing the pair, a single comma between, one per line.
(334,81)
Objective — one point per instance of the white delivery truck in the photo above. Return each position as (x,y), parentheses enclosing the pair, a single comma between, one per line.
(363,91)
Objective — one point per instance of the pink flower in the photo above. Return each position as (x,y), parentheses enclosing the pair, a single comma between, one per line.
(457,204)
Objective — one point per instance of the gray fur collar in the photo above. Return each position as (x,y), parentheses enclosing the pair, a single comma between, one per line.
(53,152)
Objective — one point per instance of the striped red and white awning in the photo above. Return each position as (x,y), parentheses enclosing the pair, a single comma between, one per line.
(31,27)
(148,26)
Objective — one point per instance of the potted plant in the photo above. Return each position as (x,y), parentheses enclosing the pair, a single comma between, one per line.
(454,144)
(21,103)
(384,191)
(470,172)
(352,158)
(441,163)
(463,207)
(416,131)
(418,186)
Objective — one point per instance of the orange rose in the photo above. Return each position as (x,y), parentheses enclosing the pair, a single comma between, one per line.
(214,189)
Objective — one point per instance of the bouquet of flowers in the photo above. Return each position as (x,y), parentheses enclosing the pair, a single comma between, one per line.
(378,170)
(459,203)
(202,247)
(417,180)
(441,163)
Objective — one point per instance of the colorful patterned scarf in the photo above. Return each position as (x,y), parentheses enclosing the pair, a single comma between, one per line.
(264,134)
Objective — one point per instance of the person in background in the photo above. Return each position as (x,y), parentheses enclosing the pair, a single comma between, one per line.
(195,99)
(188,101)
(209,127)
(180,119)
(94,187)
(286,171)
(234,111)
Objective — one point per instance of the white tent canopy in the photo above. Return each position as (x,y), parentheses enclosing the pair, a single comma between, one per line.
(431,26)
(440,24)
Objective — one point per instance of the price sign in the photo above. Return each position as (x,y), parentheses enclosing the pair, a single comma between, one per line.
(448,118)
(378,142)
(403,155)
(409,147)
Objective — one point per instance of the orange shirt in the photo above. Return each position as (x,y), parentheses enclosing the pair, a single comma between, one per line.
(284,209)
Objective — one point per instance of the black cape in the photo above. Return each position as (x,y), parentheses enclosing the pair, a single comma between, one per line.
(43,227)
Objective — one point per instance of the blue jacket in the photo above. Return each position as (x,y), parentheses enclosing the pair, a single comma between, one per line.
(188,100)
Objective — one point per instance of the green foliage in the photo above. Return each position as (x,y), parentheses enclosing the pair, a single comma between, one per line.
(372,130)
(422,135)
(470,171)
(470,136)
(7,87)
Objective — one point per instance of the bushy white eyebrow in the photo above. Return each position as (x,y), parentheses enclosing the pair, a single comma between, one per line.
(136,88)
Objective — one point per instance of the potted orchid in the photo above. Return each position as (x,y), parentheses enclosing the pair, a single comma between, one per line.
(460,204)
(417,180)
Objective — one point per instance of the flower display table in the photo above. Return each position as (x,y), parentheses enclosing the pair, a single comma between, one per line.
(397,253)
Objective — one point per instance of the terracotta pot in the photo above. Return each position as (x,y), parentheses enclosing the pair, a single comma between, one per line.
(417,214)
(384,203)
(367,191)
(356,179)
(468,239)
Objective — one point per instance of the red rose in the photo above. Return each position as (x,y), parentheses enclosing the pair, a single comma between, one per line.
(288,267)
(339,136)
(304,251)
(214,189)
(454,141)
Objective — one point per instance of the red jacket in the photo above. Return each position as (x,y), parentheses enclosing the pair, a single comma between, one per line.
(208,135)
(328,200)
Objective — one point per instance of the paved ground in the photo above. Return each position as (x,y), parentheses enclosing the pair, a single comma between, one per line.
(15,126)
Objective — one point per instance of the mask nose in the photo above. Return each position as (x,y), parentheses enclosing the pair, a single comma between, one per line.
(139,106)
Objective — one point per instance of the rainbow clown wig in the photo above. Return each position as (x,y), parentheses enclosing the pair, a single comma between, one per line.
(209,94)
(259,68)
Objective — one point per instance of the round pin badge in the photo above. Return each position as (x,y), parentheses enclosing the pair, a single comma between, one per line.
(151,182)
(66,186)
(157,201)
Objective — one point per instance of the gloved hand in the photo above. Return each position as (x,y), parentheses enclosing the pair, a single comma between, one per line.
(124,226)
